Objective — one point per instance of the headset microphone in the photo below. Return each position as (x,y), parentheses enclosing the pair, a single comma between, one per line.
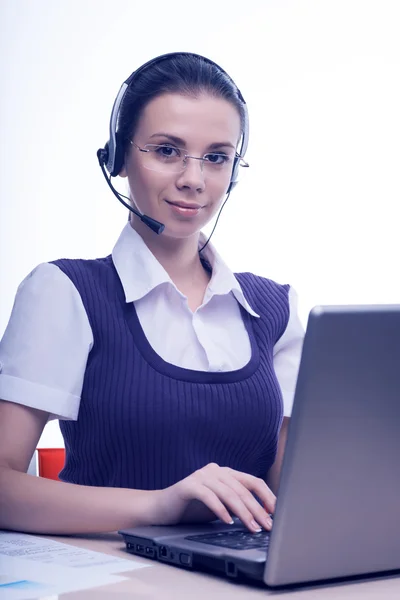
(154,225)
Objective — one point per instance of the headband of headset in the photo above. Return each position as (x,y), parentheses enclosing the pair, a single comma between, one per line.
(113,154)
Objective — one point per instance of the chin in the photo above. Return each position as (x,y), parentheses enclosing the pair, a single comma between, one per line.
(180,232)
(182,228)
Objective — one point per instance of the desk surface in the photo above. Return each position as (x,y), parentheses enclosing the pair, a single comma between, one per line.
(172,583)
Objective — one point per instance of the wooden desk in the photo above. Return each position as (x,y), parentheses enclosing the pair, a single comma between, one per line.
(163,582)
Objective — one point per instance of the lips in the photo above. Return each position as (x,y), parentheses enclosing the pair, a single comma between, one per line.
(187,205)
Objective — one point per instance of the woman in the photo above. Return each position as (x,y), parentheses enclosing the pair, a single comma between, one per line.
(161,365)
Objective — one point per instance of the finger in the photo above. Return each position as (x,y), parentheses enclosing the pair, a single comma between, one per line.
(258,487)
(255,484)
(230,498)
(211,500)
(258,512)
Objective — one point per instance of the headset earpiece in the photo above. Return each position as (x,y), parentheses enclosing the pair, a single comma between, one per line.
(231,186)
(119,157)
(234,176)
(114,163)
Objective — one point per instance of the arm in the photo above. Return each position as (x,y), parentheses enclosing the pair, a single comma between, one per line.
(43,354)
(274,473)
(35,504)
(287,354)
(38,505)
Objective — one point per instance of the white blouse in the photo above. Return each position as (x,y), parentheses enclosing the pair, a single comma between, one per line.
(45,347)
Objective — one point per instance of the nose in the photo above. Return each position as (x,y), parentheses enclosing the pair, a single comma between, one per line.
(192,177)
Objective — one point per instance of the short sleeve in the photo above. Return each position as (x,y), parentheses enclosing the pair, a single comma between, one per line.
(287,355)
(45,347)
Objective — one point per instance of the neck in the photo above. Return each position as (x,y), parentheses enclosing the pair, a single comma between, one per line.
(179,257)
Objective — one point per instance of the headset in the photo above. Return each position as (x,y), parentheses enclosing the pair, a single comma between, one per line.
(111,157)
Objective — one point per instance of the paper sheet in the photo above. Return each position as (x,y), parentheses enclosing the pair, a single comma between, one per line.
(34,567)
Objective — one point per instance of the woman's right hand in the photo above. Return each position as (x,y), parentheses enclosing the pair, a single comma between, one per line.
(215,492)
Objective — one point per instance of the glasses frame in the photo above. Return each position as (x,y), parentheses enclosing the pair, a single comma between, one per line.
(203,158)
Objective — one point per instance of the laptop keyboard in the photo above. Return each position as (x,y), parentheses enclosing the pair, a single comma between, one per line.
(236,539)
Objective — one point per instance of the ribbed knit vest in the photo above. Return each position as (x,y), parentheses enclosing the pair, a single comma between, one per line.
(144,423)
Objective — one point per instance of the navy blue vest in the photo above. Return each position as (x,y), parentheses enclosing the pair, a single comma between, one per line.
(144,423)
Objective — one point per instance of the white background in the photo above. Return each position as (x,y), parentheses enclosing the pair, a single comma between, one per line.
(318,207)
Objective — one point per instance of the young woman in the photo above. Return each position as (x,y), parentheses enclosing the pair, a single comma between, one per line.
(172,377)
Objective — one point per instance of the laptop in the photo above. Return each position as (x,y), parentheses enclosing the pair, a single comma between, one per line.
(337,511)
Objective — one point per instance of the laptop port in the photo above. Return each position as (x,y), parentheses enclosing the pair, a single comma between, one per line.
(231,569)
(184,559)
(163,551)
(149,551)
(140,548)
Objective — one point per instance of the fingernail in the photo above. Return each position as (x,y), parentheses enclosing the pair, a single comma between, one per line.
(255,526)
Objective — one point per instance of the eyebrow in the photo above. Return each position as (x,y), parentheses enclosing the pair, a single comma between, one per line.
(180,142)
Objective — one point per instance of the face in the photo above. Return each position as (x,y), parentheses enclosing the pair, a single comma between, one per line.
(183,201)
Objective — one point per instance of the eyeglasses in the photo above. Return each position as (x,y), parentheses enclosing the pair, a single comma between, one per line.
(166,158)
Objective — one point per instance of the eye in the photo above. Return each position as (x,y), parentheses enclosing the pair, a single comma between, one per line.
(165,151)
(217,158)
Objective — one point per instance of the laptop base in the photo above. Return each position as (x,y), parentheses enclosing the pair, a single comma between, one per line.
(189,559)
(247,572)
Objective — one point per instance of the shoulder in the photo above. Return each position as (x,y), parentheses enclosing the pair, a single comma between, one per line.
(43,289)
(43,279)
(72,266)
(258,289)
(269,299)
(56,277)
(88,274)
(97,283)
(65,282)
